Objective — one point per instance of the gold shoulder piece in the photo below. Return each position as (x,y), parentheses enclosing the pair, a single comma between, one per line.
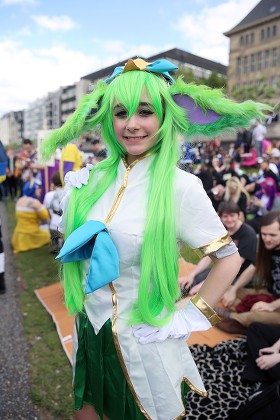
(207,311)
(213,246)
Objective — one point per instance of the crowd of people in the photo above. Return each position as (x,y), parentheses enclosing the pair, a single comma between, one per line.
(127,364)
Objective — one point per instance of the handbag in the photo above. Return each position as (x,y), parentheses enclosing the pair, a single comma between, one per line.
(92,241)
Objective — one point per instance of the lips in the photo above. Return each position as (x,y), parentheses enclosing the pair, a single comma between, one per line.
(134,139)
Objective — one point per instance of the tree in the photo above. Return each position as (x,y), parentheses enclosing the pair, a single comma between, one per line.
(214,80)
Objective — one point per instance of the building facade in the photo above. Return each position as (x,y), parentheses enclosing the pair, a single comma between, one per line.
(11,127)
(254,57)
(200,67)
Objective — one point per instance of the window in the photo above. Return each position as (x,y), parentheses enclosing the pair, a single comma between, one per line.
(266,62)
(274,30)
(268,32)
(252,38)
(247,39)
(242,40)
(238,65)
(262,34)
(253,62)
(246,64)
(274,57)
(259,61)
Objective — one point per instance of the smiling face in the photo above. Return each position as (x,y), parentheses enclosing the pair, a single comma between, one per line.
(271,236)
(231,221)
(137,134)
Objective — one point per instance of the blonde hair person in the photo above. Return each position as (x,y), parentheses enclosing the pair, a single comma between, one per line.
(236,192)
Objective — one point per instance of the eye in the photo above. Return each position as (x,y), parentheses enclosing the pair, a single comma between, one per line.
(146,112)
(122,113)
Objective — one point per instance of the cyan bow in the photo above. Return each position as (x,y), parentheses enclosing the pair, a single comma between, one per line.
(92,240)
(160,66)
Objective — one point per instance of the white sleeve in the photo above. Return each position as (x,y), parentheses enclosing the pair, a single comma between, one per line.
(198,223)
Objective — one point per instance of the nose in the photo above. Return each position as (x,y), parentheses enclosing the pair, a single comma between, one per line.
(132,124)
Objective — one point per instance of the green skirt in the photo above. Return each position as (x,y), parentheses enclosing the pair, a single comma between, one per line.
(99,379)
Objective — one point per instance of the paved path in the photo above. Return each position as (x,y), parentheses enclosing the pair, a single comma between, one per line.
(15,402)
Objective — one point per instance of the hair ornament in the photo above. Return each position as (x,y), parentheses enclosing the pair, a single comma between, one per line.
(160,67)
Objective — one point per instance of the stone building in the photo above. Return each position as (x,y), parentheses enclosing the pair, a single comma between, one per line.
(254,57)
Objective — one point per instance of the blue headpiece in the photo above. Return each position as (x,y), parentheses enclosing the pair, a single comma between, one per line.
(160,67)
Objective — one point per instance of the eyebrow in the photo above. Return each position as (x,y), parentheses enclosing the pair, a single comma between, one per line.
(140,104)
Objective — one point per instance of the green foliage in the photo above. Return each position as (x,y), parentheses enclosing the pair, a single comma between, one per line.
(50,370)
(213,81)
(257,92)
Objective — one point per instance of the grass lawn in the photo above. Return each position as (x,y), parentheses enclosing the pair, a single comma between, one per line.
(50,370)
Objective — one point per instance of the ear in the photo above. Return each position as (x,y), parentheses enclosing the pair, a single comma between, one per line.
(194,112)
(209,112)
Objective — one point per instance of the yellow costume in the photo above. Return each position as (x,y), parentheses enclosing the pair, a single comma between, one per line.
(27,234)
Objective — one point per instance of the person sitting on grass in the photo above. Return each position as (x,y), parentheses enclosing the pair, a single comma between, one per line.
(244,238)
(263,303)
(29,214)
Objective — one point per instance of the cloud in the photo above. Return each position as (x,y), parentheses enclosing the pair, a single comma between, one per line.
(120,50)
(55,23)
(41,71)
(204,29)
(45,70)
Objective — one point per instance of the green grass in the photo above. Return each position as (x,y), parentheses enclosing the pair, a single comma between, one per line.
(50,370)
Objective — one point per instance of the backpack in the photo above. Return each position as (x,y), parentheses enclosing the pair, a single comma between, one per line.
(263,406)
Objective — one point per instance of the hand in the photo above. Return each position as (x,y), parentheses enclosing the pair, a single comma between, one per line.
(266,362)
(186,282)
(275,348)
(258,203)
(150,334)
(262,306)
(195,289)
(182,323)
(229,297)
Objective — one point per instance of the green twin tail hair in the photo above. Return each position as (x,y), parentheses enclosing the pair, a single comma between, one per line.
(158,287)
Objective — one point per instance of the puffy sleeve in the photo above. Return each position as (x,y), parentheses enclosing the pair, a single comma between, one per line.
(198,224)
(73,179)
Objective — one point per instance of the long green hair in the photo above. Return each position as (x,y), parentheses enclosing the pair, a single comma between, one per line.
(158,287)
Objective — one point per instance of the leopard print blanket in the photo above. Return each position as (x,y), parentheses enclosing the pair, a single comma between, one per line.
(221,368)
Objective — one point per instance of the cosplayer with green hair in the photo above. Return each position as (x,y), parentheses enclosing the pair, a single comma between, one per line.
(123,220)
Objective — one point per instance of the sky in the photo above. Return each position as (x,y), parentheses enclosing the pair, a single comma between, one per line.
(45,44)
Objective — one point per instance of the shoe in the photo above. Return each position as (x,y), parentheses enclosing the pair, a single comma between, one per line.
(231,326)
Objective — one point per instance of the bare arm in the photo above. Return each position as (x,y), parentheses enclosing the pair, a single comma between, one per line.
(220,278)
(242,281)
(188,280)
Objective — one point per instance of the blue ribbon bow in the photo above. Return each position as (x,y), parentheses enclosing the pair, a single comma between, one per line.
(161,66)
(92,240)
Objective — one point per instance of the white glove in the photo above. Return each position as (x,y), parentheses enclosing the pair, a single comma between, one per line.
(182,323)
(78,178)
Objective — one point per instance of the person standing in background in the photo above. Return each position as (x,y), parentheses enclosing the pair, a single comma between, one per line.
(259,133)
(71,159)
